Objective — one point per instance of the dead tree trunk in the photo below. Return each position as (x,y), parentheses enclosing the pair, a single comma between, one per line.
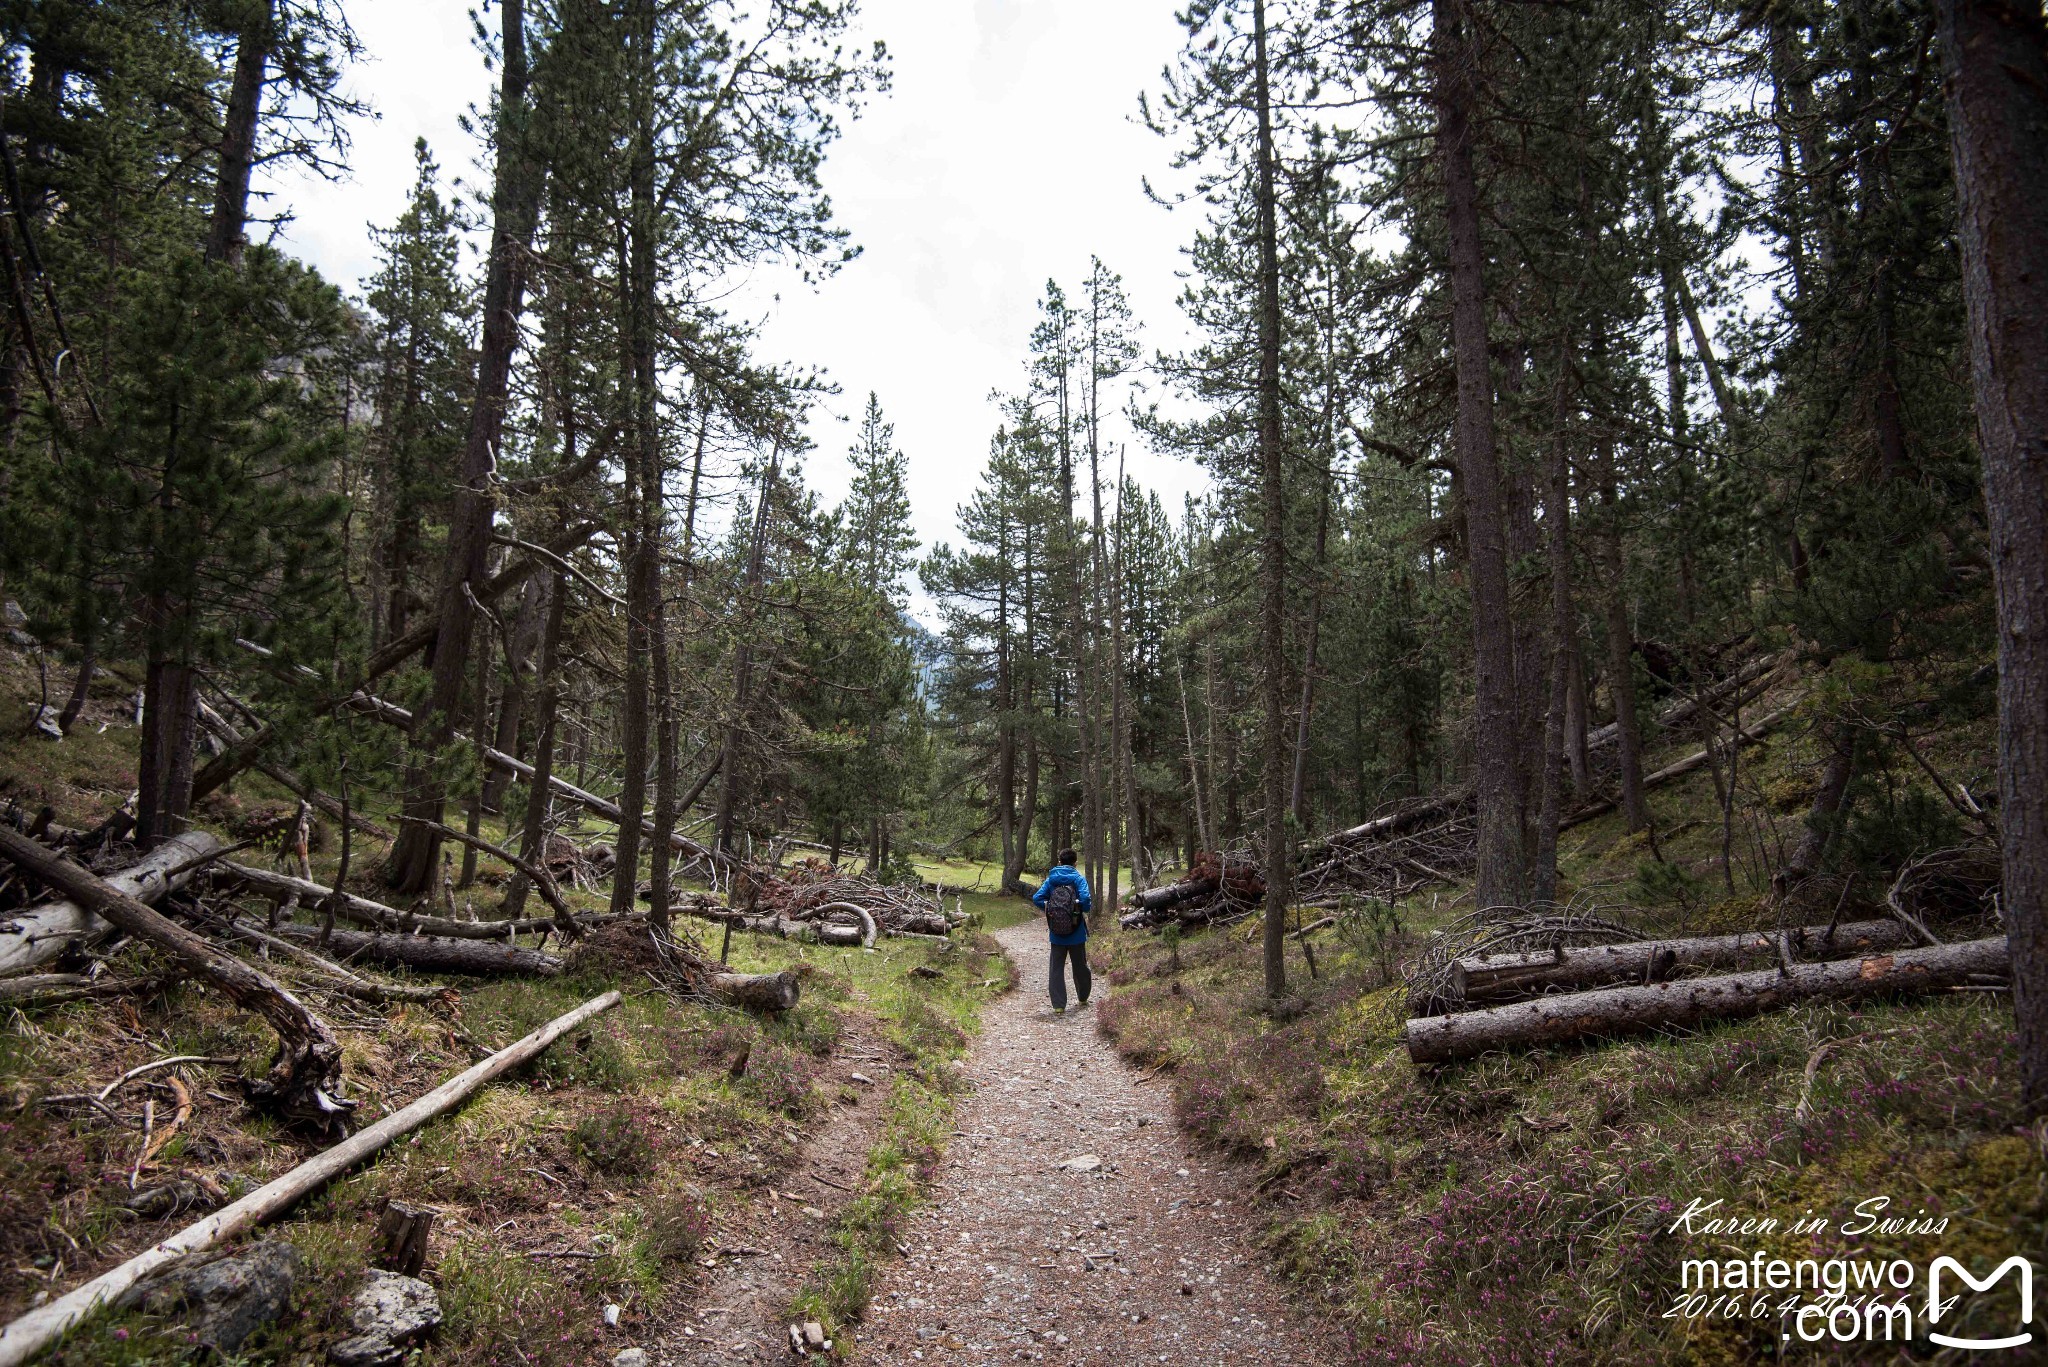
(39,934)
(1508,977)
(431,953)
(309,1056)
(1623,1010)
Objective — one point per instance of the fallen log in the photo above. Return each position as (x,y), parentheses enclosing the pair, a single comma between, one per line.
(1172,894)
(1697,1001)
(756,991)
(1751,733)
(308,1058)
(1716,697)
(363,912)
(1406,819)
(38,1329)
(39,934)
(430,953)
(780,926)
(1505,977)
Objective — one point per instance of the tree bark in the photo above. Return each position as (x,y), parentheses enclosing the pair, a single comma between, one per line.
(1500,855)
(519,651)
(515,207)
(430,953)
(230,216)
(1563,632)
(1661,1006)
(1272,533)
(547,704)
(1621,648)
(1996,53)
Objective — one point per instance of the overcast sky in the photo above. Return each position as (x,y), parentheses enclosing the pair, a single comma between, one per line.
(1006,153)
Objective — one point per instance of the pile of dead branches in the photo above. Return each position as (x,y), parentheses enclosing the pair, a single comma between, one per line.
(1221,887)
(1436,980)
(1432,842)
(814,891)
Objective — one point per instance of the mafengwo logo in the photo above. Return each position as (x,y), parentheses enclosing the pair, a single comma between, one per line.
(1936,1307)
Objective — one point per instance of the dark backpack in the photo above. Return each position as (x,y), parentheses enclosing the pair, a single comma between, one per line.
(1063,909)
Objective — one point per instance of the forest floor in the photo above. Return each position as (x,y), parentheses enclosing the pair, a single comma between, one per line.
(632,1165)
(1524,1207)
(1071,1222)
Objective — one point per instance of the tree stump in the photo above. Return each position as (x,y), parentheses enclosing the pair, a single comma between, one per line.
(402,1238)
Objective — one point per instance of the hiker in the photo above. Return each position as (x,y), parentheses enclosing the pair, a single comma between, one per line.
(1065,899)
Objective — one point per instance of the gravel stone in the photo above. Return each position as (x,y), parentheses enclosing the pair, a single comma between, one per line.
(1147,1255)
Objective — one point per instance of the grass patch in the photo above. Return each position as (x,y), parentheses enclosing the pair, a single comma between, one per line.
(933,1022)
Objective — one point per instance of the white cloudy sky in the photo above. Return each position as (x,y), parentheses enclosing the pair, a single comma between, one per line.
(1006,154)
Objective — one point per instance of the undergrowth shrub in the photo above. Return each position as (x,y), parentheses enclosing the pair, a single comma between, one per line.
(615,1141)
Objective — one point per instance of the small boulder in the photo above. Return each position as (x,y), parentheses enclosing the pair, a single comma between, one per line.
(630,1357)
(389,1314)
(225,1298)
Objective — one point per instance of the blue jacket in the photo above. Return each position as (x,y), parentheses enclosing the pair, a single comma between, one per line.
(1066,873)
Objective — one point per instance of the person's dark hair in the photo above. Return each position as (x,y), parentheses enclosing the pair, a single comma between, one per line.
(1068,856)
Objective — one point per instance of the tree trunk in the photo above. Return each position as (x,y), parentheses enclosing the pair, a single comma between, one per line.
(1659,1006)
(515,200)
(1997,61)
(1621,682)
(526,633)
(1496,745)
(238,137)
(1563,628)
(1272,533)
(81,687)
(1824,820)
(1509,977)
(732,756)
(431,953)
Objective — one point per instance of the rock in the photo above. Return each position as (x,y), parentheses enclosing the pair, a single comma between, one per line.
(389,1314)
(814,1334)
(611,1315)
(630,1357)
(225,1298)
(1082,1162)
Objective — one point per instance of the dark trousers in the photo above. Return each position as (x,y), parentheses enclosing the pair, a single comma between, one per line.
(1083,979)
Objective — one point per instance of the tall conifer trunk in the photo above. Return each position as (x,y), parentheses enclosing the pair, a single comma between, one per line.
(1996,53)
(1279,858)
(1496,744)
(515,205)
(170,690)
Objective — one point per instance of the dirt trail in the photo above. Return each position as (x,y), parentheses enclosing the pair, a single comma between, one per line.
(1147,1258)
(761,1255)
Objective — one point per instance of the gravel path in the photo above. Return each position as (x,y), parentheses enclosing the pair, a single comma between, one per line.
(1144,1255)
